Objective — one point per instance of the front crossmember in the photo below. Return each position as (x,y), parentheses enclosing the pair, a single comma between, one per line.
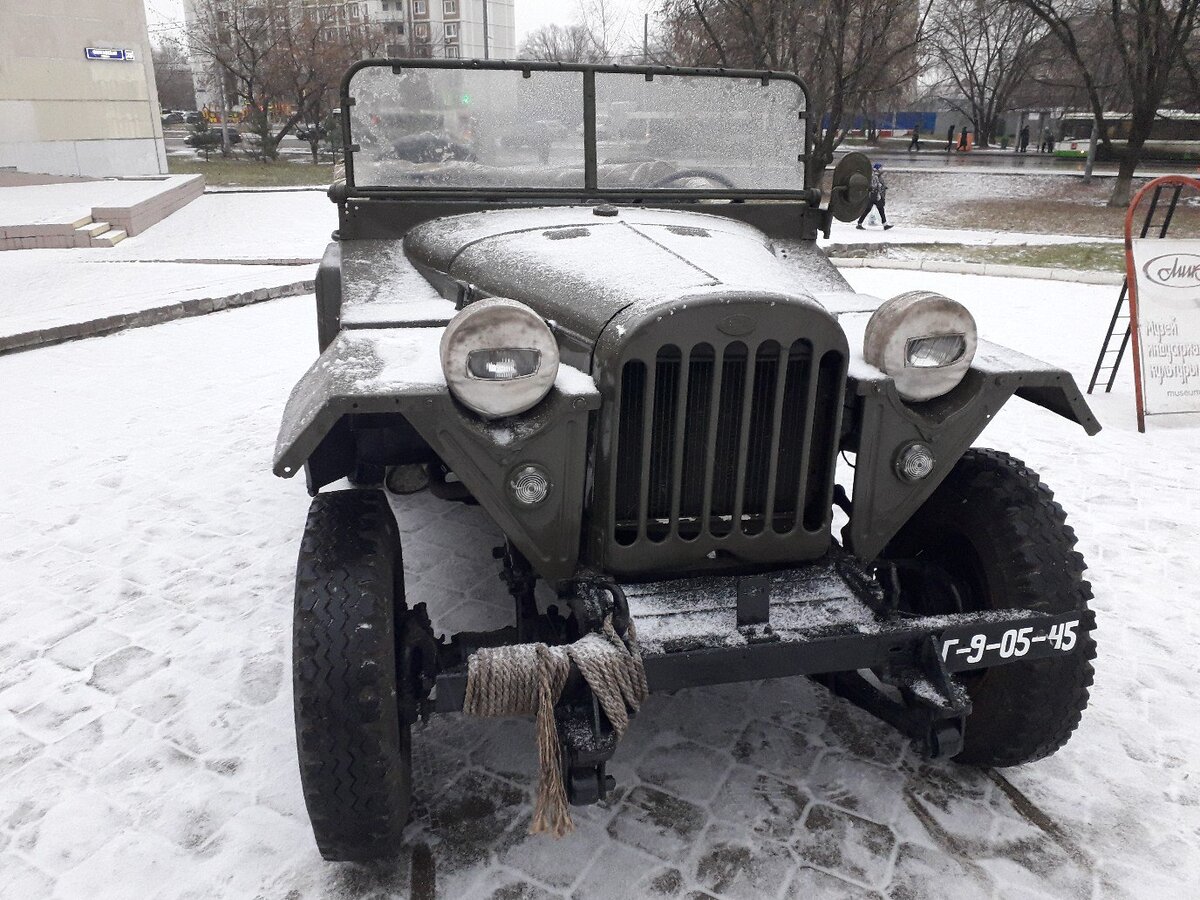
(829,621)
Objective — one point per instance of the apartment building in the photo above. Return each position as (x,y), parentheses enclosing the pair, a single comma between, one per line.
(482,29)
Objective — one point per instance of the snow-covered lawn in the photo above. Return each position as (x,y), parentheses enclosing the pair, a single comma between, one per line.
(146,743)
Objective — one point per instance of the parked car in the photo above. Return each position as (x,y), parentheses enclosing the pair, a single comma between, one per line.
(172,118)
(645,373)
(311,132)
(192,118)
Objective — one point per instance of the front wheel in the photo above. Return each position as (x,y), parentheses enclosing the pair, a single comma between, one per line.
(354,746)
(992,537)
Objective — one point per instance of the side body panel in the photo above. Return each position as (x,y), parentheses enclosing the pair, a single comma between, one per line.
(397,372)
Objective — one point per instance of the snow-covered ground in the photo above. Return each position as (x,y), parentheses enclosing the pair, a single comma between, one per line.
(216,246)
(146,748)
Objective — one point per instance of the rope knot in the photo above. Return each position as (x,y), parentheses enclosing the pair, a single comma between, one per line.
(524,679)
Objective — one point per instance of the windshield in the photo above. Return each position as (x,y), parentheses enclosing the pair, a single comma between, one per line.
(508,128)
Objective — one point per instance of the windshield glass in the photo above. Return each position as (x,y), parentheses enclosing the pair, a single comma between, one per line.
(441,128)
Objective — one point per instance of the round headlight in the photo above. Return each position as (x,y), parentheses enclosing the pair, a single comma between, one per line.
(499,357)
(924,341)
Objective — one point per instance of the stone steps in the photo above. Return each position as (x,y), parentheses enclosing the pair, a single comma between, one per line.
(120,208)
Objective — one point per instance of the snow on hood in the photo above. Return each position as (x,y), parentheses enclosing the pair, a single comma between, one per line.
(580,268)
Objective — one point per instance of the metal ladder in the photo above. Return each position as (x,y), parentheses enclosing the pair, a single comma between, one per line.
(1109,360)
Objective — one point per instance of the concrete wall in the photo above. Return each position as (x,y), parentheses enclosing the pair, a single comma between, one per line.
(64,114)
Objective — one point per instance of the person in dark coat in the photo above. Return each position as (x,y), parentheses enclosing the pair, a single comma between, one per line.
(1024,144)
(950,139)
(915,143)
(1050,142)
(962,138)
(877,200)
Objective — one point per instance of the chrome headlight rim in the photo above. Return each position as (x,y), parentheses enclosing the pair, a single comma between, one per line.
(922,322)
(517,332)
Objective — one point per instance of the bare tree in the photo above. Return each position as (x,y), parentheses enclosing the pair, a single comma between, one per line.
(559,43)
(173,75)
(1149,38)
(281,59)
(848,52)
(238,38)
(983,58)
(594,38)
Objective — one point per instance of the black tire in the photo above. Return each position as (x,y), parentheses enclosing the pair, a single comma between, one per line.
(355,750)
(995,530)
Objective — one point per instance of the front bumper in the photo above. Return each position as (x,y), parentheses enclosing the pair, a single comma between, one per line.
(820,619)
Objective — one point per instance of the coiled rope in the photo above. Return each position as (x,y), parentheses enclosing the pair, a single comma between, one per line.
(528,679)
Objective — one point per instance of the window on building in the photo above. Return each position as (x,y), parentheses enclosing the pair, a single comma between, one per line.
(385,5)
(450,7)
(452,31)
(452,51)
(421,30)
(420,8)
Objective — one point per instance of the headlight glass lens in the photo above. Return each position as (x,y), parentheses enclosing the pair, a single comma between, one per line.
(924,341)
(499,357)
(936,351)
(503,364)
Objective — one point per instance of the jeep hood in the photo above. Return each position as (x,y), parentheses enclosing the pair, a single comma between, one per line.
(581,265)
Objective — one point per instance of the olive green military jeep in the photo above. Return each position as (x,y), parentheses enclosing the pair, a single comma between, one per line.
(617,336)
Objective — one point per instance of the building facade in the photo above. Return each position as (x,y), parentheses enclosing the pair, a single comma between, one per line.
(77,91)
(441,29)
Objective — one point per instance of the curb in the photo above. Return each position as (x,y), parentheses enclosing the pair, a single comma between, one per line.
(970,268)
(184,309)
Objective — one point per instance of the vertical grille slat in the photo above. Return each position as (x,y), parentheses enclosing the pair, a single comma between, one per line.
(726,443)
(777,427)
(647,408)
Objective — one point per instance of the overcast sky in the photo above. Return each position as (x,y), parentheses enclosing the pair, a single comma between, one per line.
(166,16)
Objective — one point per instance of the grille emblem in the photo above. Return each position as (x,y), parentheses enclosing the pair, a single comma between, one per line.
(737,325)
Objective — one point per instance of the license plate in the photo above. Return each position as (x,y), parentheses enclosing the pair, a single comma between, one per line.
(980,645)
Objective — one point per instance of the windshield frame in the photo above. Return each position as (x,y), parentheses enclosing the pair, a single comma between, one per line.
(590,192)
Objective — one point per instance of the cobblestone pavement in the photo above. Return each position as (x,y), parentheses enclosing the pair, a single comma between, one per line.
(146,745)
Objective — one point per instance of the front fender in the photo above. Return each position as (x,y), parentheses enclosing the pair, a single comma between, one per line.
(883,424)
(398,371)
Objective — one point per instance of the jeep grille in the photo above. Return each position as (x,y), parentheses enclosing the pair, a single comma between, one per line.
(725,450)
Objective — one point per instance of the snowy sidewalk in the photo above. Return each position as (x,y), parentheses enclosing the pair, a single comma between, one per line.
(146,744)
(219,251)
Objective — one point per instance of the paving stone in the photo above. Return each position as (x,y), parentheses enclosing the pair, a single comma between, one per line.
(761,802)
(683,768)
(922,873)
(121,669)
(786,753)
(855,732)
(72,829)
(657,823)
(64,711)
(809,882)
(25,797)
(845,844)
(736,863)
(620,872)
(16,747)
(860,787)
(102,740)
(471,818)
(526,854)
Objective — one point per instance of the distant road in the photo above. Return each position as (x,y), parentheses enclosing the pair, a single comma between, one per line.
(1006,161)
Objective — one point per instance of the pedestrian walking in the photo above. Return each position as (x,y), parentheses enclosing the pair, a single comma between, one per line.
(1050,142)
(877,199)
(950,139)
(915,143)
(1023,147)
(962,138)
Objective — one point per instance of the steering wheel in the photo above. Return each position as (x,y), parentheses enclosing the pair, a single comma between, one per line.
(715,177)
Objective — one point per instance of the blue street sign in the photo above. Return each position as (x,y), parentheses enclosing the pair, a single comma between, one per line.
(103,53)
